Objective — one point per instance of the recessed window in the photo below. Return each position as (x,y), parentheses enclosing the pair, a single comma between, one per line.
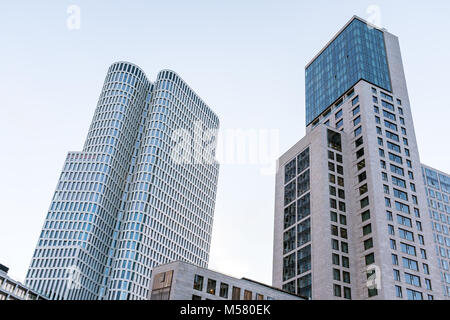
(211,286)
(223,290)
(198,282)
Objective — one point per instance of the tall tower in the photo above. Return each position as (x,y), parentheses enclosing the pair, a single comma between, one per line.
(350,204)
(129,201)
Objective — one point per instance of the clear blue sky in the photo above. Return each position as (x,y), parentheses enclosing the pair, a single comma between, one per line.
(244,58)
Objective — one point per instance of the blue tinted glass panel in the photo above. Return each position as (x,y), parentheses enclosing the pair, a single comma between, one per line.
(358,52)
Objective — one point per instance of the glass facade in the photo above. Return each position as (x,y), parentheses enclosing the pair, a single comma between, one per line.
(437,187)
(297,225)
(124,204)
(358,52)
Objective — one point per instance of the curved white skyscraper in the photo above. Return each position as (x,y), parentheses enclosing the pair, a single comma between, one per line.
(141,193)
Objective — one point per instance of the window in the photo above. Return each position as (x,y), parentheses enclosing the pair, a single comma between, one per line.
(389,216)
(334,244)
(289,171)
(405,234)
(400,194)
(236,295)
(195,297)
(408,249)
(333,216)
(380,141)
(386,96)
(396,275)
(355,111)
(367,229)
(304,260)
(355,100)
(198,282)
(334,140)
(392,136)
(357,131)
(391,230)
(289,192)
(414,295)
(404,221)
(394,259)
(428,284)
(398,182)
(336,275)
(289,215)
(398,292)
(379,131)
(337,290)
(357,121)
(346,277)
(211,286)
(345,262)
(365,215)
(338,114)
(370,258)
(389,115)
(423,254)
(334,231)
(335,259)
(390,125)
(364,202)
(410,264)
(359,153)
(303,160)
(402,207)
(368,244)
(331,155)
(304,286)
(393,244)
(363,189)
(288,267)
(361,165)
(362,176)
(248,295)
(388,105)
(426,270)
(358,142)
(223,290)
(397,170)
(339,123)
(393,147)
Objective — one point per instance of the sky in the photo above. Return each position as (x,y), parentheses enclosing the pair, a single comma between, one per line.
(245,59)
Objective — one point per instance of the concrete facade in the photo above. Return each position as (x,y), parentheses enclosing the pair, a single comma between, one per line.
(388,251)
(184,281)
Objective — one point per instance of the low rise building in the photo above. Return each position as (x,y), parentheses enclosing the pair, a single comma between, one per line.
(14,290)
(184,281)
